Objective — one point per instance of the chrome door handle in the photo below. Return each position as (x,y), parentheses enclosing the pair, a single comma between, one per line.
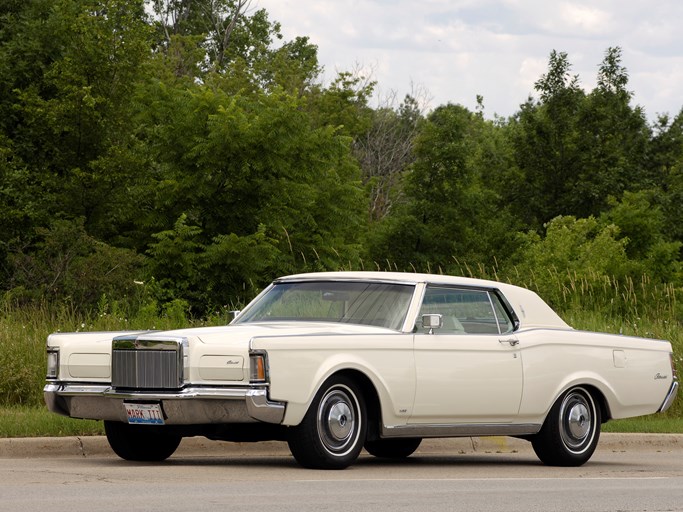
(511,341)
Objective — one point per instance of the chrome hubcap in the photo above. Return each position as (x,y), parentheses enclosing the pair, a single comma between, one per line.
(576,421)
(337,422)
(579,421)
(340,421)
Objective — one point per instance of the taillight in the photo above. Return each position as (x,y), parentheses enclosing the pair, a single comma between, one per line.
(52,362)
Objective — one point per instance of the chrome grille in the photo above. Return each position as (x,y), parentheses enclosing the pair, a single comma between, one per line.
(146,364)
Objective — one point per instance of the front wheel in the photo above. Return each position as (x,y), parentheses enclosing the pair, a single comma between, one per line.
(571,431)
(333,431)
(140,442)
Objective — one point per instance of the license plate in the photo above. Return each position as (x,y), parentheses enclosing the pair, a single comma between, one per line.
(144,414)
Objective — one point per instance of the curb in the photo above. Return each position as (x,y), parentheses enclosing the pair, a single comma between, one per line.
(97,446)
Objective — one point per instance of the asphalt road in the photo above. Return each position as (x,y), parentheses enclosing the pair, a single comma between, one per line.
(500,474)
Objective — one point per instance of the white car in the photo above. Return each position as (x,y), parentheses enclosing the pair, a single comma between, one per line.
(334,362)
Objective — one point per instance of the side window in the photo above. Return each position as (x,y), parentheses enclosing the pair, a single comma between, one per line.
(465,311)
(444,302)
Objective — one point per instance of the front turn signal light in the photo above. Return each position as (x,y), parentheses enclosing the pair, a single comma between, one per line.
(257,367)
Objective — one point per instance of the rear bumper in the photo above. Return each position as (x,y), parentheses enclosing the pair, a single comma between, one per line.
(189,406)
(670,397)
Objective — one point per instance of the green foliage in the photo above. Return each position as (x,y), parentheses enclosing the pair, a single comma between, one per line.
(230,266)
(208,121)
(572,250)
(666,161)
(249,179)
(200,37)
(573,149)
(68,109)
(449,211)
(642,225)
(344,104)
(174,258)
(582,265)
(612,141)
(67,264)
(573,244)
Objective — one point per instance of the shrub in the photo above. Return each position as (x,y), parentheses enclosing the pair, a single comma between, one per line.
(68,264)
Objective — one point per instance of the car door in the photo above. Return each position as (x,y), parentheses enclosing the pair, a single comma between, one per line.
(468,370)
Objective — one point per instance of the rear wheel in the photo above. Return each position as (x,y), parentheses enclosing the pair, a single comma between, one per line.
(332,433)
(393,448)
(139,442)
(571,431)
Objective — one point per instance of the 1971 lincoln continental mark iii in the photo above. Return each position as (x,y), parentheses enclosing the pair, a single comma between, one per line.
(340,361)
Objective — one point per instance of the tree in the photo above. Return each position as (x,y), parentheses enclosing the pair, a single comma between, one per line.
(641,223)
(612,142)
(65,263)
(260,190)
(201,136)
(545,141)
(231,38)
(573,149)
(386,151)
(71,69)
(665,164)
(448,212)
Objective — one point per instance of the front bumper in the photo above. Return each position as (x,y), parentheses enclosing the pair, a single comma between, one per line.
(189,406)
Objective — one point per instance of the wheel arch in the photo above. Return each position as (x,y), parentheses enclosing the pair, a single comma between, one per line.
(599,389)
(600,400)
(372,400)
(376,390)
(596,392)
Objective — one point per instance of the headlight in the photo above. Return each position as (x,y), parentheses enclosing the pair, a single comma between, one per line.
(52,363)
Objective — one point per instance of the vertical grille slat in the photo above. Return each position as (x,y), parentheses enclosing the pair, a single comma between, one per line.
(141,364)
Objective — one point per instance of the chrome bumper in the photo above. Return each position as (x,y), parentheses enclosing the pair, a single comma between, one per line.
(189,406)
(670,397)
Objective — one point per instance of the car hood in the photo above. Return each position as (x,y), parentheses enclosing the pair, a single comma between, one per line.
(247,331)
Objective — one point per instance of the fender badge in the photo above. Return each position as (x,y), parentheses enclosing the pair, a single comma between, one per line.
(659,376)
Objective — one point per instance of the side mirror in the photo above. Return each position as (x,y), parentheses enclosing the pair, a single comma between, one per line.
(431,322)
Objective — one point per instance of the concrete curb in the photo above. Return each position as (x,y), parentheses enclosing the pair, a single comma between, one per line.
(97,446)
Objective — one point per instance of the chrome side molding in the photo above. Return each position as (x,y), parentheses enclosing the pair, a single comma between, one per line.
(463,430)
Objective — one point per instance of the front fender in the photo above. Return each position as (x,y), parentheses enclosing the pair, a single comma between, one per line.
(297,369)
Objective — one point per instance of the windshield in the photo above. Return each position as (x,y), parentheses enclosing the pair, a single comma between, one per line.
(380,304)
